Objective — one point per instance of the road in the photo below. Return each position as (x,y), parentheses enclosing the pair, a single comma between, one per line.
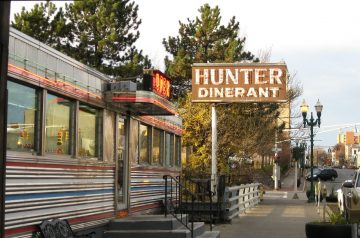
(343,174)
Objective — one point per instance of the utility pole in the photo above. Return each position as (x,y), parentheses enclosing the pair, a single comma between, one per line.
(296,154)
(4,52)
(295,181)
(276,169)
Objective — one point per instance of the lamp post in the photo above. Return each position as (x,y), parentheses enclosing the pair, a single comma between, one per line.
(303,147)
(311,123)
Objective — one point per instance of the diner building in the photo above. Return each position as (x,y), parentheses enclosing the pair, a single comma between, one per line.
(81,146)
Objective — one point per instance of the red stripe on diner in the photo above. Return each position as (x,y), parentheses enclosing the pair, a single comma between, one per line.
(146,207)
(143,99)
(24,164)
(21,230)
(75,89)
(92,217)
(158,122)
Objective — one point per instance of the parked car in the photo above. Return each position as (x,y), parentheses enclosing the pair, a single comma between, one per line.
(328,173)
(322,174)
(316,173)
(341,192)
(349,197)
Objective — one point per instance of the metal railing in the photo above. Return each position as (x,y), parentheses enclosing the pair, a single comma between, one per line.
(175,193)
(241,198)
(201,188)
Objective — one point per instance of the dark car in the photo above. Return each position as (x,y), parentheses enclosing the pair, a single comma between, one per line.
(328,173)
(323,174)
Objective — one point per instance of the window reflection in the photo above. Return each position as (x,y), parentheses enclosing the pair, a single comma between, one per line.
(169,149)
(157,146)
(144,144)
(87,140)
(177,150)
(57,125)
(21,117)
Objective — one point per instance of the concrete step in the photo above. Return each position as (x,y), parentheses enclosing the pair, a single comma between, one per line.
(146,222)
(210,234)
(180,232)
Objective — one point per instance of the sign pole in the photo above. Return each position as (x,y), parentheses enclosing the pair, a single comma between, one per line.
(295,180)
(213,149)
(276,186)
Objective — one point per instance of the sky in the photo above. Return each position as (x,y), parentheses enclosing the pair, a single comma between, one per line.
(319,41)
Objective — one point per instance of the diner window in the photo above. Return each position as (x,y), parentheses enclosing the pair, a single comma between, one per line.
(177,151)
(169,149)
(57,125)
(144,144)
(22,101)
(157,146)
(87,131)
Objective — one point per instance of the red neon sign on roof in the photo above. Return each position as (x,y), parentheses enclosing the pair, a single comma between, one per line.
(160,84)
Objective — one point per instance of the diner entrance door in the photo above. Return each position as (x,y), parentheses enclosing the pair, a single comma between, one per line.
(122,165)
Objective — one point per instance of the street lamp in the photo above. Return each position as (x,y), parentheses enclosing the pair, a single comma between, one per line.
(313,122)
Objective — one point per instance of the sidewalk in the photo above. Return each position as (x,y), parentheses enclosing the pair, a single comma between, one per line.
(278,216)
(273,218)
(287,183)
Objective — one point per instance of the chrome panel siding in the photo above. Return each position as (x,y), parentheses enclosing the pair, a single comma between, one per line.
(39,188)
(147,188)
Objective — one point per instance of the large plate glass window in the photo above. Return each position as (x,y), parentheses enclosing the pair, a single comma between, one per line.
(144,144)
(57,125)
(158,139)
(169,149)
(21,117)
(177,151)
(87,132)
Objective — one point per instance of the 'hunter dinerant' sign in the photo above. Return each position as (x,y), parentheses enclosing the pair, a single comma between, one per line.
(239,82)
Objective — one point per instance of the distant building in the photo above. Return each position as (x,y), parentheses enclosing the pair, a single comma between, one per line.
(351,140)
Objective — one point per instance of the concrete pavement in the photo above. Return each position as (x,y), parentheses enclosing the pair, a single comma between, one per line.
(279,215)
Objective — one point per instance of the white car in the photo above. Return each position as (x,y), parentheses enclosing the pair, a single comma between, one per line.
(349,198)
(345,188)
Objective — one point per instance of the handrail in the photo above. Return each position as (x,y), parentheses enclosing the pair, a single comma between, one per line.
(191,196)
(207,192)
(173,205)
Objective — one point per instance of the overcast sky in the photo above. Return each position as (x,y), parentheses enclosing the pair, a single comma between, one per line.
(319,41)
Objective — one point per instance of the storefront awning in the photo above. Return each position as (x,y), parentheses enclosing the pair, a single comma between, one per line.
(140,103)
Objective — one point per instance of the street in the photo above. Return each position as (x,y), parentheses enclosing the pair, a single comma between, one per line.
(343,174)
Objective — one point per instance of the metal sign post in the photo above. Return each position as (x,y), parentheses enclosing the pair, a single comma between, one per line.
(213,149)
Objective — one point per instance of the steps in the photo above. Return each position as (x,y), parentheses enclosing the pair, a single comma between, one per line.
(154,226)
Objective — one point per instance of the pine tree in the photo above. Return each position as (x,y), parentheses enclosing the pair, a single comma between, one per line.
(45,23)
(203,40)
(98,33)
(104,33)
